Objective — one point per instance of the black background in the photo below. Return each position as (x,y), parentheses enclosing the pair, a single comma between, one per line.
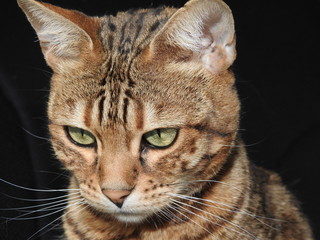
(278,80)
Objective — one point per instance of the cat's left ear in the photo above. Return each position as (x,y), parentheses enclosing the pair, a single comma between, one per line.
(68,38)
(202,31)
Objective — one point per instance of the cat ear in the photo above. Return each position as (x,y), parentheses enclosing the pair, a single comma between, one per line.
(201,31)
(66,37)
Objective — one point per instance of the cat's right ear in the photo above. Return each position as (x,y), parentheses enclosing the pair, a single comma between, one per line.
(68,38)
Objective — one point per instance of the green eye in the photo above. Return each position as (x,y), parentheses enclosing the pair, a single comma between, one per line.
(161,138)
(81,137)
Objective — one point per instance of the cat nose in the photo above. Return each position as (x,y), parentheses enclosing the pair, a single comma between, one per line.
(116,196)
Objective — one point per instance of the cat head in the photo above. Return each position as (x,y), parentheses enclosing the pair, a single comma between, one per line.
(142,104)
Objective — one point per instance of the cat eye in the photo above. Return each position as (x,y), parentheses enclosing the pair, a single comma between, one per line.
(161,138)
(80,136)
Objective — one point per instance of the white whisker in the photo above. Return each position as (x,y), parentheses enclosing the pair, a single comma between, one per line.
(40,199)
(199,225)
(175,216)
(40,205)
(245,145)
(247,234)
(237,210)
(80,205)
(50,208)
(36,136)
(168,215)
(38,190)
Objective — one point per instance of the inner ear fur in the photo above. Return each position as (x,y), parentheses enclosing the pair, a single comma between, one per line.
(201,31)
(67,37)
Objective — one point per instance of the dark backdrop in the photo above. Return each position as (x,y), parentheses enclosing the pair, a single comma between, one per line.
(278,81)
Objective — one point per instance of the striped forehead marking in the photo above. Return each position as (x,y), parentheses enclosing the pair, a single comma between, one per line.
(124,37)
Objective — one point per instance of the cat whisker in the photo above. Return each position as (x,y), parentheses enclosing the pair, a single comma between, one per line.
(168,215)
(158,212)
(40,199)
(36,136)
(41,205)
(237,210)
(58,218)
(63,173)
(174,216)
(37,190)
(197,224)
(59,206)
(163,215)
(244,233)
(19,218)
(244,145)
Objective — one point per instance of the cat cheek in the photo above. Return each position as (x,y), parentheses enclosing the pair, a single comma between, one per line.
(216,145)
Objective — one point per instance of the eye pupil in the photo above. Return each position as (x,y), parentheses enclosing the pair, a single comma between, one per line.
(159,133)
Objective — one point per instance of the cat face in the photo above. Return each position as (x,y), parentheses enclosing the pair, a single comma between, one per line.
(142,105)
(122,158)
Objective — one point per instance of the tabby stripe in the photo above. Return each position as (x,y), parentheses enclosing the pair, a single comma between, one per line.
(143,41)
(125,50)
(111,26)
(87,114)
(101,93)
(101,109)
(154,26)
(139,23)
(125,109)
(131,83)
(107,69)
(114,102)
(128,93)
(139,116)
(122,76)
(157,11)
(123,32)
(110,42)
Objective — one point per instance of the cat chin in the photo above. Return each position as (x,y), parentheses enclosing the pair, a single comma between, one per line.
(133,219)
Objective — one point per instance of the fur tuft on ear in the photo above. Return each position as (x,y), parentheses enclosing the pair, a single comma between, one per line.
(203,30)
(65,35)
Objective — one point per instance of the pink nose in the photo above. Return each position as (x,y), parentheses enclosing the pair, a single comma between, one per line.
(116,196)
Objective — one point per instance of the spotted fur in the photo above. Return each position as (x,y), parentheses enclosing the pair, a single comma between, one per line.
(122,76)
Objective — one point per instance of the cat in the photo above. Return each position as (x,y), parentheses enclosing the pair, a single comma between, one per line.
(144,113)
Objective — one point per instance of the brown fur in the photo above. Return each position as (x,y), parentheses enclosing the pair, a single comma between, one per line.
(147,69)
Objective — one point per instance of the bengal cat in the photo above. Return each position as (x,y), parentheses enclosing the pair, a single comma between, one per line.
(144,114)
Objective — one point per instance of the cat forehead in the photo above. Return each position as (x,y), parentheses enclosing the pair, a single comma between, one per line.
(131,31)
(123,36)
(118,97)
